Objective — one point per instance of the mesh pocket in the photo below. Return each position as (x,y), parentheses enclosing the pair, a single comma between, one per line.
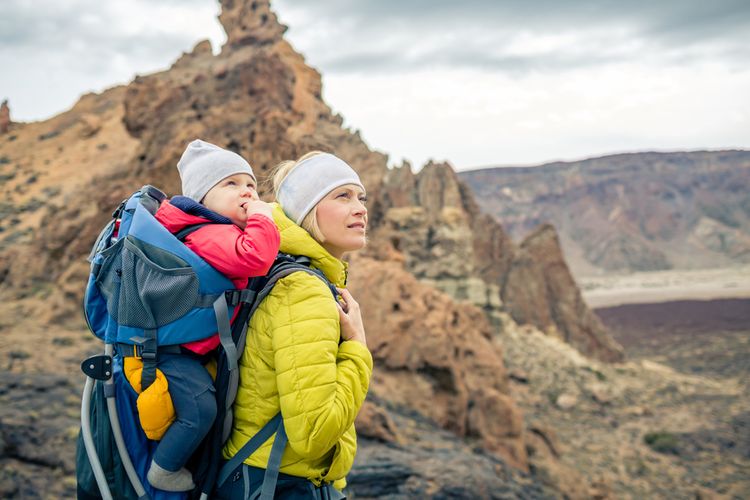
(156,288)
(108,276)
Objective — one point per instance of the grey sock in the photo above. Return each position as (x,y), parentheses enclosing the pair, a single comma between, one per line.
(162,479)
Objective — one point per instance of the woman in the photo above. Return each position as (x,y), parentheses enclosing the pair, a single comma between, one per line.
(306,354)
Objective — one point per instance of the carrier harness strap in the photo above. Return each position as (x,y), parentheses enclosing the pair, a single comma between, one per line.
(221,309)
(253,444)
(187,230)
(147,349)
(268,488)
(284,266)
(149,358)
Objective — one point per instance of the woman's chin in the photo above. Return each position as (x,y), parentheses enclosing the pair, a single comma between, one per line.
(359,245)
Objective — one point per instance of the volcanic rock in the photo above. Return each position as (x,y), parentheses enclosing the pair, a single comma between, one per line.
(436,357)
(540,290)
(4,117)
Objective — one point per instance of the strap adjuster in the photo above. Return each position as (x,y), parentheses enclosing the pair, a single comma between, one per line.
(139,352)
(147,355)
(233,297)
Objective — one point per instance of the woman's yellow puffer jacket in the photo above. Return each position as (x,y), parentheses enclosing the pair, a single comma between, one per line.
(293,362)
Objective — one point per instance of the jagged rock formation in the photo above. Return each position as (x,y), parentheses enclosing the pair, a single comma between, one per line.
(630,212)
(540,290)
(431,219)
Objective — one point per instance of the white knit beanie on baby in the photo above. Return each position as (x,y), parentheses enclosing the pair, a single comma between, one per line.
(310,181)
(203,165)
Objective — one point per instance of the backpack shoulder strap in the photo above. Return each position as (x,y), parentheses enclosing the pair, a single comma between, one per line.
(188,230)
(282,270)
(250,298)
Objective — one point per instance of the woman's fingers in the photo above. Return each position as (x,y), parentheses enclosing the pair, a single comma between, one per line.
(347,296)
(351,318)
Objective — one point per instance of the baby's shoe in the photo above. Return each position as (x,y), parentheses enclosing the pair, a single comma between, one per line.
(162,479)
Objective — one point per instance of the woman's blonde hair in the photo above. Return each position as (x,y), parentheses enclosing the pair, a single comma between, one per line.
(310,222)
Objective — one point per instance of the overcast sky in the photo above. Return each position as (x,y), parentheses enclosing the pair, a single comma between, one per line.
(472,82)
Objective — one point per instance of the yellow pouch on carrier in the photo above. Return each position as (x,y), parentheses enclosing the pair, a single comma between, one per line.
(155,408)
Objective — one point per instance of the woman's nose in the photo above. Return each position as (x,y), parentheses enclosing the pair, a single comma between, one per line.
(360,208)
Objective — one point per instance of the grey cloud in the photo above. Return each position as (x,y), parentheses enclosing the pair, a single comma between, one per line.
(457,56)
(670,30)
(59,26)
(690,14)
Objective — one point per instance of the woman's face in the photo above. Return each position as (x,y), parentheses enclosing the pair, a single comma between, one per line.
(342,220)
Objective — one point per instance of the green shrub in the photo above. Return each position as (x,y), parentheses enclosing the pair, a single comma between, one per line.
(662,442)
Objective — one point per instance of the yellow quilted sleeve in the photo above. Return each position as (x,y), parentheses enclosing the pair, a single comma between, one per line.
(321,384)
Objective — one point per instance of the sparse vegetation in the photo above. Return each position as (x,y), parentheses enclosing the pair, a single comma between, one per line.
(49,135)
(599,375)
(722,214)
(662,442)
(553,394)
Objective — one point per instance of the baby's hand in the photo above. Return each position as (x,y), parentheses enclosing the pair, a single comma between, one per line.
(254,206)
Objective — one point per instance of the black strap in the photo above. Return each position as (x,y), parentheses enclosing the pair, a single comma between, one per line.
(188,230)
(149,358)
(136,350)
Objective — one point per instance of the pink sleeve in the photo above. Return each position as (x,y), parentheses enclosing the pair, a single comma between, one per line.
(235,253)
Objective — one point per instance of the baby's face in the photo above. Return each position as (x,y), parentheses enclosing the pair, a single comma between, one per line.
(229,197)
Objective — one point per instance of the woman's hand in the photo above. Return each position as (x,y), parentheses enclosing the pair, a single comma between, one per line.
(350,316)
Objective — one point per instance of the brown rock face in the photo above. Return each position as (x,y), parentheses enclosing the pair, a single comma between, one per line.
(4,117)
(540,290)
(374,422)
(437,357)
(249,23)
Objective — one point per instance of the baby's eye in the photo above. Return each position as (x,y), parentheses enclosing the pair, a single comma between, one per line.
(343,194)
(363,199)
(231,183)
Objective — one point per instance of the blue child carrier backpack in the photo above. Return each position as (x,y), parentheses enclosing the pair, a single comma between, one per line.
(147,293)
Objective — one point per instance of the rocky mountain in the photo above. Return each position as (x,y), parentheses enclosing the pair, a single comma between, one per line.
(629,212)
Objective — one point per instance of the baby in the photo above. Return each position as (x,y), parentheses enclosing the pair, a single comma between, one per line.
(240,241)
